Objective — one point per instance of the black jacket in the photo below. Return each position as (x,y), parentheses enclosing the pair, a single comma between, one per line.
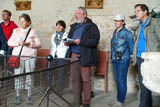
(88,43)
(3,44)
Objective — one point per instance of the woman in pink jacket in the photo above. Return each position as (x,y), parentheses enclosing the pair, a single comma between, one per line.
(27,64)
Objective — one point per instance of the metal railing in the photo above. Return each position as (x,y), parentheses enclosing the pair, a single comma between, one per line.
(48,85)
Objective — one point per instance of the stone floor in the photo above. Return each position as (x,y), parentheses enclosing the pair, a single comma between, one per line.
(106,100)
(100,100)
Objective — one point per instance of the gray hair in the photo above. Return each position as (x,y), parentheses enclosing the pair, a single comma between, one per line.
(84,11)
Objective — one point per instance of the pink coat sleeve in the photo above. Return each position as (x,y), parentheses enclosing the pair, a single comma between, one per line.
(35,42)
(13,41)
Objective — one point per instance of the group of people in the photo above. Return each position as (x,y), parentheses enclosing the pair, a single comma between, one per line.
(85,35)
(12,41)
(126,50)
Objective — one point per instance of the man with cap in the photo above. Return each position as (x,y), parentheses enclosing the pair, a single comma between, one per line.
(122,44)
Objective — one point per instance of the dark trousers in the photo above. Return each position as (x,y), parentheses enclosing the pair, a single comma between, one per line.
(60,75)
(145,95)
(9,51)
(120,69)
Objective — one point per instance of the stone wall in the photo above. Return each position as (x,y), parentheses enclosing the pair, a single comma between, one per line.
(45,13)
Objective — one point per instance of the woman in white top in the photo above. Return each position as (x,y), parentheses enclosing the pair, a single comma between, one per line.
(58,50)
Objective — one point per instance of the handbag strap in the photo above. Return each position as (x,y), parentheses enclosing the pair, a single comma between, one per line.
(24,41)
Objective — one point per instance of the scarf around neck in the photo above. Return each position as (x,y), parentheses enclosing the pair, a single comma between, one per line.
(58,37)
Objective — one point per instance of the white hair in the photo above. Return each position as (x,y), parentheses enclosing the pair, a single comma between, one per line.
(84,11)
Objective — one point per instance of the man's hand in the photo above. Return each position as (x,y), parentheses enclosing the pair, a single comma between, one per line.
(77,41)
(67,44)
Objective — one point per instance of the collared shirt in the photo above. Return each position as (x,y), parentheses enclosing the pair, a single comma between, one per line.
(8,29)
(141,41)
(77,35)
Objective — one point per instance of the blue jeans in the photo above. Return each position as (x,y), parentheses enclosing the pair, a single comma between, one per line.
(145,95)
(120,69)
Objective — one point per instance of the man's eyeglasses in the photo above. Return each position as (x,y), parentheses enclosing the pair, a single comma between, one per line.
(137,11)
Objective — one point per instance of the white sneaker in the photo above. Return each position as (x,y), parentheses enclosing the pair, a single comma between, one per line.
(118,104)
(112,102)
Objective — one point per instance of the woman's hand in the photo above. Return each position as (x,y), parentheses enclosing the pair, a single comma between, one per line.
(21,42)
(26,44)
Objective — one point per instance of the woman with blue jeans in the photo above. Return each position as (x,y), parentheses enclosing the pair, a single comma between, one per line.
(122,44)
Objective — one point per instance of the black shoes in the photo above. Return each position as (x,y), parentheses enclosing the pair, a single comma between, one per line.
(92,94)
(86,105)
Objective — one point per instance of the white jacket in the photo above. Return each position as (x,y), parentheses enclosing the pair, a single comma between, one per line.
(61,48)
